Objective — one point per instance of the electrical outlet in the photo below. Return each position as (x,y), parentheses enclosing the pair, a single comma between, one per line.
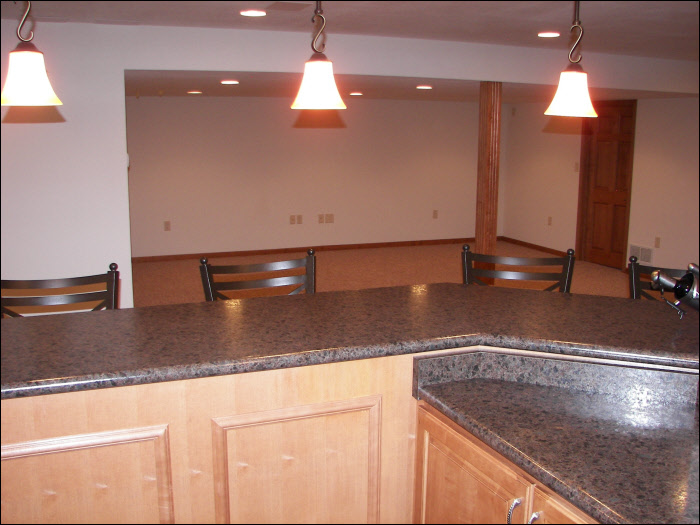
(292,219)
(299,219)
(321,218)
(166,226)
(329,218)
(435,214)
(575,167)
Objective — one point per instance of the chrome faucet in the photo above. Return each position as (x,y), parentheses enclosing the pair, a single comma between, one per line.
(685,289)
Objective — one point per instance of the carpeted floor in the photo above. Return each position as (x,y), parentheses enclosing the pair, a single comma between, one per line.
(178,281)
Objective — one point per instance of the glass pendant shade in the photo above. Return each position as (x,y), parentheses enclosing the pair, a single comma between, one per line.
(318,89)
(572,98)
(27,83)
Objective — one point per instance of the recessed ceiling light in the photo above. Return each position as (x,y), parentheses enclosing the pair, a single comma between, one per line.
(548,34)
(194,92)
(424,86)
(253,12)
(229,82)
(356,94)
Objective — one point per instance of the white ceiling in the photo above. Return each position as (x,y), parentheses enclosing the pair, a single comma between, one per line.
(657,29)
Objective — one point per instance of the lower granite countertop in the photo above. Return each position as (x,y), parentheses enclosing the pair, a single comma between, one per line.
(618,463)
(618,440)
(83,351)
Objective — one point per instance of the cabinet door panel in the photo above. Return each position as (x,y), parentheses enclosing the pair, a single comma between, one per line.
(324,460)
(462,483)
(107,477)
(551,508)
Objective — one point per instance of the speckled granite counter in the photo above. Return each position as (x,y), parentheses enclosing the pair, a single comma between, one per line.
(86,351)
(62,353)
(619,443)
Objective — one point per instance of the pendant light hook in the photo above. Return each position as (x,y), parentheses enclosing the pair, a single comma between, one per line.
(576,25)
(318,13)
(19,27)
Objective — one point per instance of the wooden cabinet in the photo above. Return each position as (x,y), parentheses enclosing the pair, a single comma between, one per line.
(324,443)
(461,480)
(551,508)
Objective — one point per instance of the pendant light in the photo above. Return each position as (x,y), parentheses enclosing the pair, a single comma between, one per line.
(572,98)
(318,89)
(27,83)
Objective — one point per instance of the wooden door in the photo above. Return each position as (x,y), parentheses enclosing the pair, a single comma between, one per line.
(607,147)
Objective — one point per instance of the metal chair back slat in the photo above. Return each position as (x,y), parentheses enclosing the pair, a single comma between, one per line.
(41,296)
(472,273)
(259,277)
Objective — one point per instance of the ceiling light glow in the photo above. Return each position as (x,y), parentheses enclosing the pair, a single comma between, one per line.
(548,34)
(356,94)
(253,13)
(194,92)
(318,89)
(572,98)
(424,86)
(230,82)
(27,83)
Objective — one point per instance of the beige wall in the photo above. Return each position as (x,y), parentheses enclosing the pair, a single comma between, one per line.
(664,199)
(665,186)
(228,173)
(65,194)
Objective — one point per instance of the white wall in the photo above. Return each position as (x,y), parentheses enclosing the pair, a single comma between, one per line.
(664,197)
(64,187)
(665,181)
(541,179)
(64,191)
(228,173)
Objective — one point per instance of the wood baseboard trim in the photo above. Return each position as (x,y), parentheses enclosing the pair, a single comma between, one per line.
(163,258)
(533,246)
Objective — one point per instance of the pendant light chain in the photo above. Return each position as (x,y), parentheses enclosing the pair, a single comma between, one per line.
(318,13)
(576,25)
(19,27)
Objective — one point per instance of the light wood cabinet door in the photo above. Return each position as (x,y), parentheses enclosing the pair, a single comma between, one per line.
(459,480)
(548,507)
(328,443)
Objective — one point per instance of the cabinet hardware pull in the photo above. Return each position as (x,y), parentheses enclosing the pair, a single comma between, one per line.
(535,516)
(515,503)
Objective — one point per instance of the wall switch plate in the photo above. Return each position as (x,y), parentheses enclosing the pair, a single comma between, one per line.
(292,219)
(435,214)
(299,219)
(549,221)
(657,242)
(329,218)
(321,218)
(166,226)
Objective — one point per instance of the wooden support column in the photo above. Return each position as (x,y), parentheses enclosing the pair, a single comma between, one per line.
(487,171)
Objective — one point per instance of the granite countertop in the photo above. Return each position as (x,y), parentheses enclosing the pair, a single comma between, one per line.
(82,351)
(619,442)
(619,463)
